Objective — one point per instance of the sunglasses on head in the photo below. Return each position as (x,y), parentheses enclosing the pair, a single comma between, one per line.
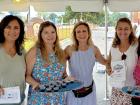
(123,57)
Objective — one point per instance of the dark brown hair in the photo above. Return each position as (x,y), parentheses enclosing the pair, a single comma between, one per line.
(4,22)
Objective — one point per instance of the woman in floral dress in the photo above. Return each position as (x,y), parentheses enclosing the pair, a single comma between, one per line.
(45,62)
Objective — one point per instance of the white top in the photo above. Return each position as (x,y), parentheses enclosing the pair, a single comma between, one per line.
(130,61)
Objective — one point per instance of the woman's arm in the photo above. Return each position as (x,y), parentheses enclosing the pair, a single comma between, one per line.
(67,52)
(108,65)
(30,61)
(1,90)
(99,56)
(65,75)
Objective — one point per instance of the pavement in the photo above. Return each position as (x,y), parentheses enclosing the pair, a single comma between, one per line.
(100,81)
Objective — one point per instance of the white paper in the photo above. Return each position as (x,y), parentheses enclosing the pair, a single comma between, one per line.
(118,77)
(11,95)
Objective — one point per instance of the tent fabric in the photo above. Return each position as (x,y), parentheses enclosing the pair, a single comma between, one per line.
(87,6)
(76,5)
(124,5)
(52,5)
(10,5)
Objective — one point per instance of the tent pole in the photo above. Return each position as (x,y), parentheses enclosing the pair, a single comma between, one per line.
(29,11)
(106,30)
(29,14)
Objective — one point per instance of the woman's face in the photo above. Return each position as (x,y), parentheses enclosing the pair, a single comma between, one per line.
(82,33)
(49,35)
(12,31)
(123,30)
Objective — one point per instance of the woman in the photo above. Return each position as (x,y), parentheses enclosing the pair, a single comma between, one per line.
(12,62)
(124,47)
(82,55)
(136,100)
(45,63)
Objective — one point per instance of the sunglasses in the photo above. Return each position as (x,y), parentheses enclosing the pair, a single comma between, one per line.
(123,57)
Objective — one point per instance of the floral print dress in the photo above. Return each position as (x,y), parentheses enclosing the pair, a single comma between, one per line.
(43,73)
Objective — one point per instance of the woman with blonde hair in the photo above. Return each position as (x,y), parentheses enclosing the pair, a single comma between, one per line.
(45,62)
(82,55)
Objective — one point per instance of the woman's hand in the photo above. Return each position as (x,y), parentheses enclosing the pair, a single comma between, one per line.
(35,86)
(109,71)
(69,78)
(1,91)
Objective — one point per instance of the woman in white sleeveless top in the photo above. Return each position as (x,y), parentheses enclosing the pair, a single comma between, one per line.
(124,47)
(82,55)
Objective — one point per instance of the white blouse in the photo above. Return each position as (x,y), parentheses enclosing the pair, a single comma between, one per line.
(130,61)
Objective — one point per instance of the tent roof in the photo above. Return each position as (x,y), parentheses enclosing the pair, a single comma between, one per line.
(76,5)
(52,5)
(124,5)
(10,5)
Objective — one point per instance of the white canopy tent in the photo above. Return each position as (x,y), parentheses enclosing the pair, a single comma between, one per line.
(124,5)
(10,5)
(51,5)
(76,5)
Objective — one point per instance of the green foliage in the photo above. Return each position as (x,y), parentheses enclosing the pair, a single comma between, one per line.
(114,17)
(69,14)
(97,18)
(53,17)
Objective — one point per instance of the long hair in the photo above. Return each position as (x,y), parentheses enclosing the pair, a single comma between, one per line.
(138,50)
(75,41)
(132,37)
(58,51)
(18,43)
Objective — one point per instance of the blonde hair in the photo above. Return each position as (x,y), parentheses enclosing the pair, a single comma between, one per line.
(75,41)
(40,44)
(132,37)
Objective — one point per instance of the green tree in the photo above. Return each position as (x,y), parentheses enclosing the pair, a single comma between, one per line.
(91,17)
(114,17)
(53,17)
(69,14)
(97,18)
